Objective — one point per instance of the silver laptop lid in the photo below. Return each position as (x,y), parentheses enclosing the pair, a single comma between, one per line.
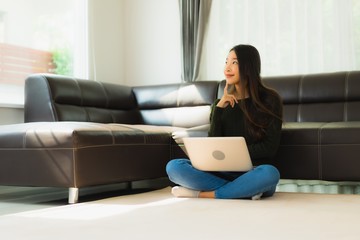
(218,153)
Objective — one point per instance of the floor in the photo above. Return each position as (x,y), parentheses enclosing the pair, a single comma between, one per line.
(156,214)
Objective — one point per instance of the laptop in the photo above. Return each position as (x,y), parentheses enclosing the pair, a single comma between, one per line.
(218,153)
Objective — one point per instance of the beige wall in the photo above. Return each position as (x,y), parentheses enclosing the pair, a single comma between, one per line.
(152,42)
(106,40)
(134,42)
(10,115)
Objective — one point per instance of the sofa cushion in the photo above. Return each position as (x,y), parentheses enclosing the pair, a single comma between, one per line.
(298,154)
(319,150)
(199,131)
(340,144)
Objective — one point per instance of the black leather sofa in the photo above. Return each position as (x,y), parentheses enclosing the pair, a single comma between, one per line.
(80,133)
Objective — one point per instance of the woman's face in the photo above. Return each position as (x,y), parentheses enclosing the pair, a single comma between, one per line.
(231,70)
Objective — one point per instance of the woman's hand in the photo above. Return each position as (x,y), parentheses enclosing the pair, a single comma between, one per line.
(227,99)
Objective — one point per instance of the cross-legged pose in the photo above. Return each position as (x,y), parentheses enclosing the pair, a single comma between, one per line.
(249,109)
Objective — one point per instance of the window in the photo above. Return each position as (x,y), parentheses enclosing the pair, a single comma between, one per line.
(40,36)
(293,37)
(2,26)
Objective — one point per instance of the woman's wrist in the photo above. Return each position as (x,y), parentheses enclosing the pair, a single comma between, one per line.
(221,104)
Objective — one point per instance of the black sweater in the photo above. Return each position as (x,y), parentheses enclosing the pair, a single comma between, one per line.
(230,121)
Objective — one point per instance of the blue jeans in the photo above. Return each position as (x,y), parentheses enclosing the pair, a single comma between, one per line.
(227,185)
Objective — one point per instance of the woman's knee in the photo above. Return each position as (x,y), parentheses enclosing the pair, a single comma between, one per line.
(176,170)
(270,172)
(175,165)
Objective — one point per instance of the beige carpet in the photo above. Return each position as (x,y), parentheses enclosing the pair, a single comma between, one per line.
(157,215)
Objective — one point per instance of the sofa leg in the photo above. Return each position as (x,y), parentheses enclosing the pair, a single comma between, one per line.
(73,195)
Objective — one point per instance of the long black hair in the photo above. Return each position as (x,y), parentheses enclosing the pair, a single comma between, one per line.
(265,103)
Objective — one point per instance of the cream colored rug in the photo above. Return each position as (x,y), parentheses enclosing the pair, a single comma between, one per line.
(158,215)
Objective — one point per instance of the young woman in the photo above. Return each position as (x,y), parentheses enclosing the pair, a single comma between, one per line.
(249,109)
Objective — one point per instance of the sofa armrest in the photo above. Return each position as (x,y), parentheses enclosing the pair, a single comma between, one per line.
(198,131)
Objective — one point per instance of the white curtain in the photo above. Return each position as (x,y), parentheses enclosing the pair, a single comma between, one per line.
(293,37)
